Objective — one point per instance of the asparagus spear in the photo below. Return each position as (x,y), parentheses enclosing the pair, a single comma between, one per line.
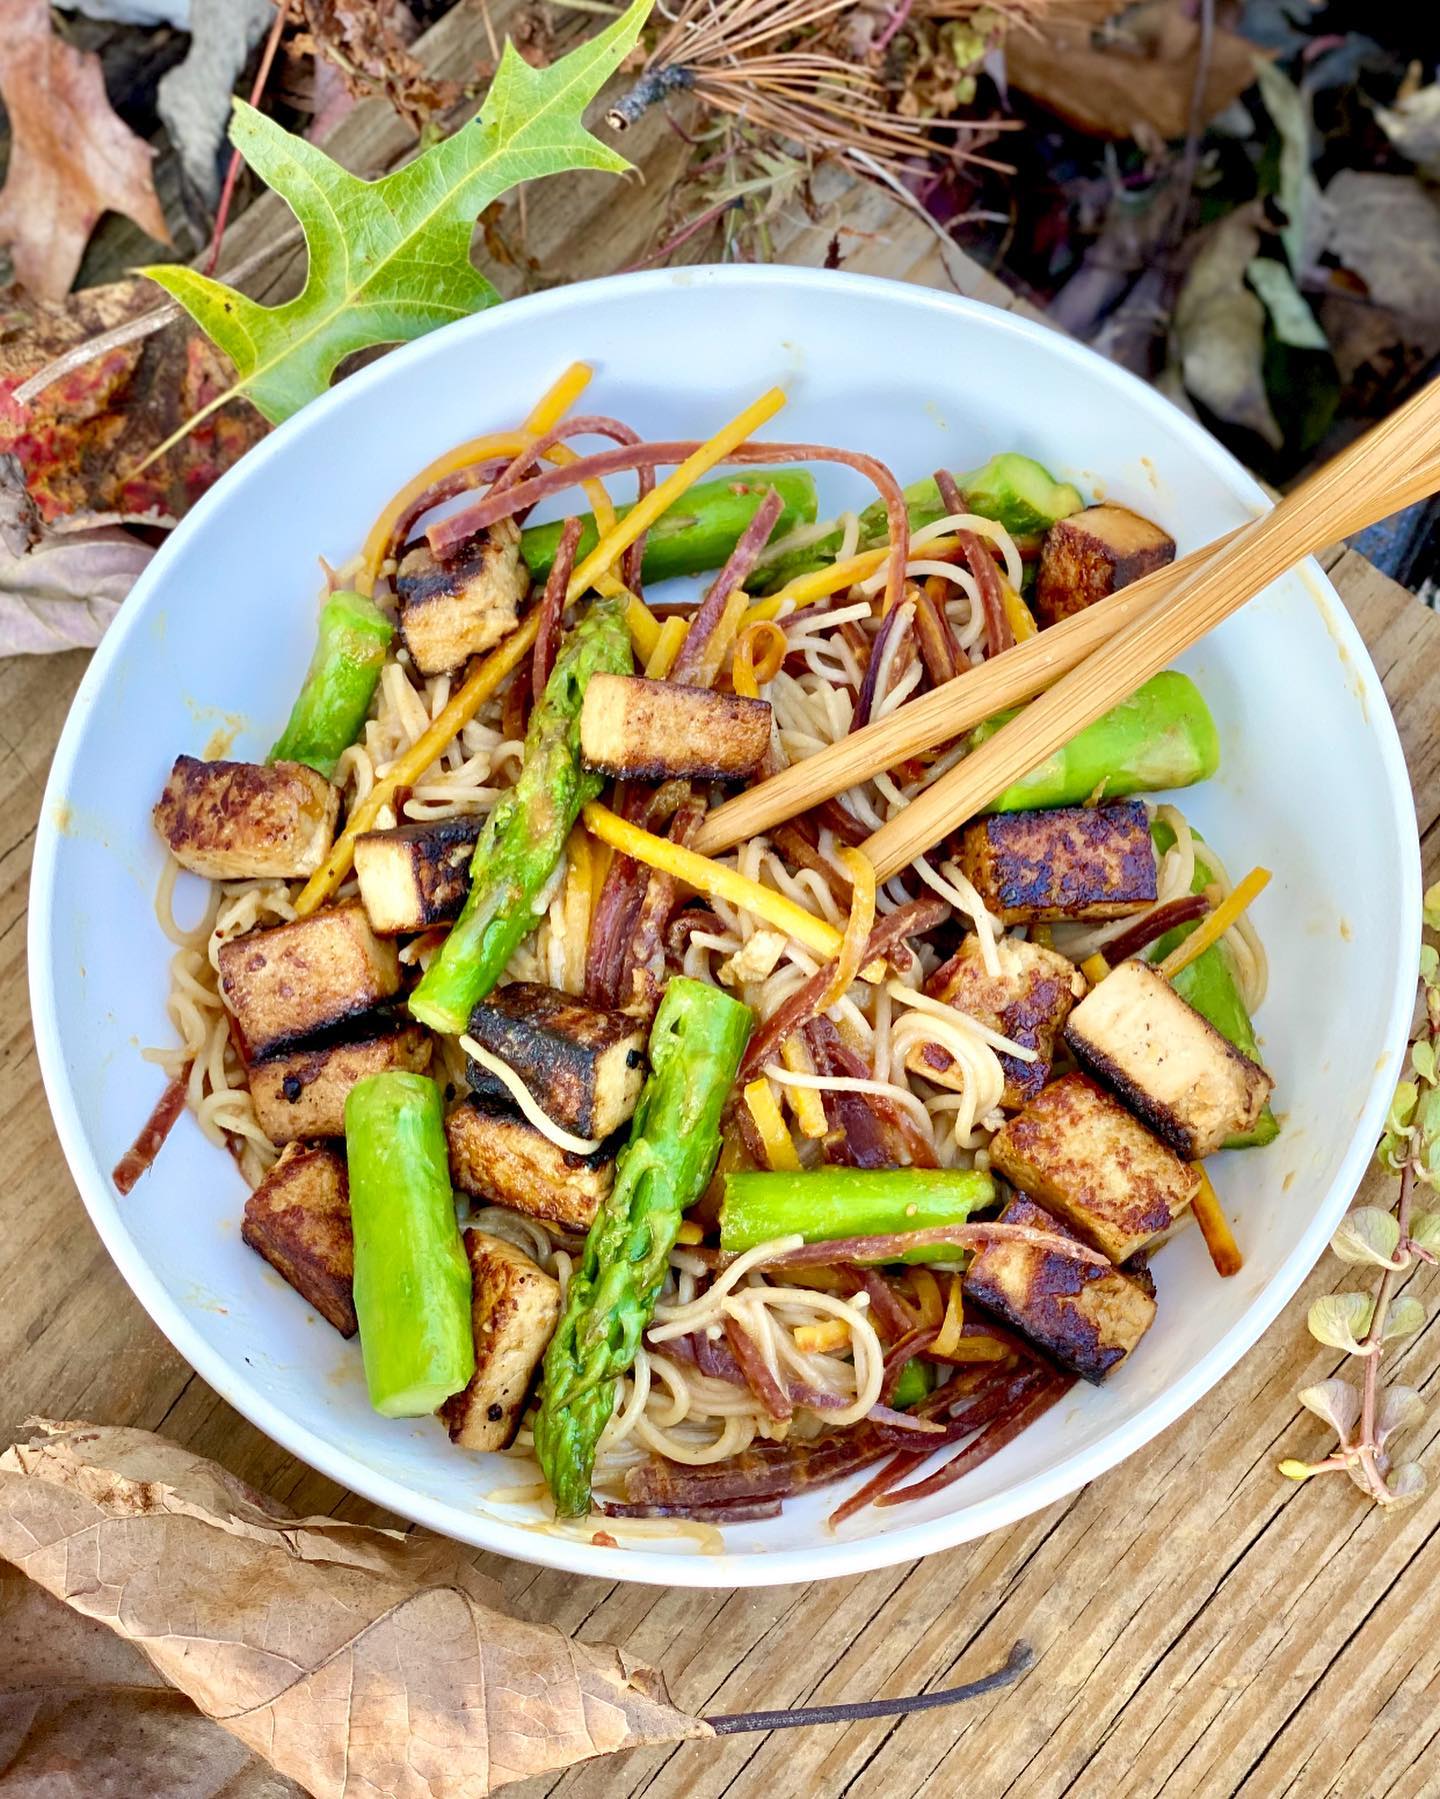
(339,684)
(1014,490)
(822,1204)
(412,1279)
(696,1043)
(1163,736)
(524,837)
(697,534)
(1208,984)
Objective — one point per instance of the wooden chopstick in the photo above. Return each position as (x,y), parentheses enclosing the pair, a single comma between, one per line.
(1007,680)
(1353,489)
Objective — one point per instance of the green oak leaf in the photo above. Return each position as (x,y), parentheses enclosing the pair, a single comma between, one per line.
(390,259)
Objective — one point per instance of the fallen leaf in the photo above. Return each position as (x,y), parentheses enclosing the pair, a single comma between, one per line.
(1290,316)
(390,259)
(1138,74)
(367,45)
(80,439)
(193,99)
(1386,230)
(71,158)
(1303,232)
(355,1660)
(1219,328)
(60,588)
(1413,126)
(83,1715)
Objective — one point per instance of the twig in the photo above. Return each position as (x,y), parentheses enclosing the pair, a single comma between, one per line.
(1190,158)
(731,1723)
(232,173)
(1374,1339)
(708,217)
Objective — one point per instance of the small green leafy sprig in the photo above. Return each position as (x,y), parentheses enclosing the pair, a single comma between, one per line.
(1365,1418)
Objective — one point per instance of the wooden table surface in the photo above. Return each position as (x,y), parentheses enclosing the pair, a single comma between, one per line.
(1200,1625)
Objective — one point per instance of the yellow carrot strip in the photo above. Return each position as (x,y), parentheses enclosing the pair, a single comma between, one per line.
(834,1333)
(714,878)
(1095,968)
(819,584)
(779,1145)
(644,628)
(1018,615)
(663,495)
(1215,924)
(594,490)
(667,647)
(558,398)
(723,636)
(950,1338)
(742,669)
(804,1102)
(1215,1229)
(857,927)
(689,1232)
(975,1349)
(927,1294)
(407,768)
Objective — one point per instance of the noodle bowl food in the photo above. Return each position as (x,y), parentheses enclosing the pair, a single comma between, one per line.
(691,1181)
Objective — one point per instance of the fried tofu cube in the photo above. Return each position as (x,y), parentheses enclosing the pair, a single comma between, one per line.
(1078,1152)
(585,1066)
(417,875)
(292,980)
(1071,862)
(497,1155)
(239,821)
(514,1307)
(1094,553)
(1083,1317)
(301,1093)
(453,609)
(1028,1002)
(298,1218)
(1168,1063)
(639,730)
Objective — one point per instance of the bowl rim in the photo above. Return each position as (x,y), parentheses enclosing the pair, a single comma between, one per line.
(824,1560)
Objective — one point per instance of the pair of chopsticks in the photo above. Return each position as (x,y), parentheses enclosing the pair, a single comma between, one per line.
(1094,660)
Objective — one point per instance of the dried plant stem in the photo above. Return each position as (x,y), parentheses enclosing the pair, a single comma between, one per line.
(232,172)
(1367,1446)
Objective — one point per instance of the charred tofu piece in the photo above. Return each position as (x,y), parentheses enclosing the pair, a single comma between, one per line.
(452,610)
(1169,1064)
(302,1093)
(1072,862)
(497,1155)
(1028,1001)
(584,1066)
(1093,553)
(298,1218)
(514,1307)
(415,876)
(1078,1152)
(292,980)
(239,821)
(1083,1317)
(639,730)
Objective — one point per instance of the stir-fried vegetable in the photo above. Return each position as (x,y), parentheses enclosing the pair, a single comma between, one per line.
(524,837)
(696,535)
(339,684)
(1014,490)
(695,1048)
(826,1204)
(412,1281)
(1209,985)
(1161,737)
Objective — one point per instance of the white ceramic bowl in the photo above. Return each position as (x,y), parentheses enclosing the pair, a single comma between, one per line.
(218,631)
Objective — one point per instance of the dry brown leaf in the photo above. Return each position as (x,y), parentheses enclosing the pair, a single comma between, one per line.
(367,43)
(83,1715)
(71,158)
(1138,74)
(357,1661)
(1219,328)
